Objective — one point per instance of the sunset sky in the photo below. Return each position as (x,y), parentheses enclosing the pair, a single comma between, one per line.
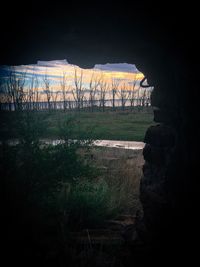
(122,72)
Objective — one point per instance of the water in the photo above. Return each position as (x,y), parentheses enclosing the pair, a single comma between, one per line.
(120,144)
(103,143)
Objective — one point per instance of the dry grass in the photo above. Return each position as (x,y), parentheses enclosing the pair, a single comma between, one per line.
(122,171)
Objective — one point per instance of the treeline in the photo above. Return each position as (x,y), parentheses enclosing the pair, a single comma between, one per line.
(22,92)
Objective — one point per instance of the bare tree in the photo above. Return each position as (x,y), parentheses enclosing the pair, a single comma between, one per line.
(15,88)
(114,88)
(132,92)
(31,95)
(148,96)
(65,91)
(6,94)
(143,97)
(47,90)
(138,97)
(78,90)
(36,96)
(64,87)
(93,87)
(123,93)
(104,87)
(54,97)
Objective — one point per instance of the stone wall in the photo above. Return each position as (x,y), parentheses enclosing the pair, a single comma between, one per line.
(168,189)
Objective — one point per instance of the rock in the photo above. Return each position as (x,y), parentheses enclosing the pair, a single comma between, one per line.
(160,136)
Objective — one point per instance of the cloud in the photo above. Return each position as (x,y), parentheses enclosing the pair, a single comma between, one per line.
(52,63)
(117,67)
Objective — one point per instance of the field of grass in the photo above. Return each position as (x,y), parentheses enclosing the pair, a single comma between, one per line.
(118,125)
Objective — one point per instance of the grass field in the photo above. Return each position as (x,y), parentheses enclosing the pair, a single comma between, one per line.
(118,125)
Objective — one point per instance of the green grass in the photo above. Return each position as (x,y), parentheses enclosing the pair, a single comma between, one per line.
(109,125)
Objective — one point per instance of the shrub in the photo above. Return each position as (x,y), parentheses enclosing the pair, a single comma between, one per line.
(86,204)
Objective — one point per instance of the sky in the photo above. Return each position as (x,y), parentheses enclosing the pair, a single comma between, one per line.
(123,73)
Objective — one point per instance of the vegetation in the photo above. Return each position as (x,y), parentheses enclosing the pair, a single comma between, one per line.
(35,174)
(46,179)
(118,125)
(121,170)
(53,190)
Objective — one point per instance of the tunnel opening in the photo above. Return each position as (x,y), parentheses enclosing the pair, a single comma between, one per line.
(160,46)
(112,95)
(112,100)
(58,85)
